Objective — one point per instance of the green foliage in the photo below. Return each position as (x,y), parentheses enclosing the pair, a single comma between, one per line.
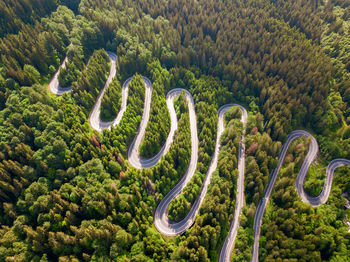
(232,113)
(159,123)
(335,42)
(205,238)
(293,229)
(111,101)
(15,14)
(261,158)
(175,163)
(181,105)
(71,72)
(71,4)
(91,80)
(31,73)
(51,37)
(314,180)
(121,136)
(207,124)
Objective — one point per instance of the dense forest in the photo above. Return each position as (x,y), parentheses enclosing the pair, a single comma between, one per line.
(69,193)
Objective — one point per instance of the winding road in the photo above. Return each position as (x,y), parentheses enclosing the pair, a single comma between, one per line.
(299,185)
(161,220)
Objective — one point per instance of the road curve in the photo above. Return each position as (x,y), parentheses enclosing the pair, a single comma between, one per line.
(54,85)
(299,185)
(134,157)
(226,250)
(161,220)
(94,117)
